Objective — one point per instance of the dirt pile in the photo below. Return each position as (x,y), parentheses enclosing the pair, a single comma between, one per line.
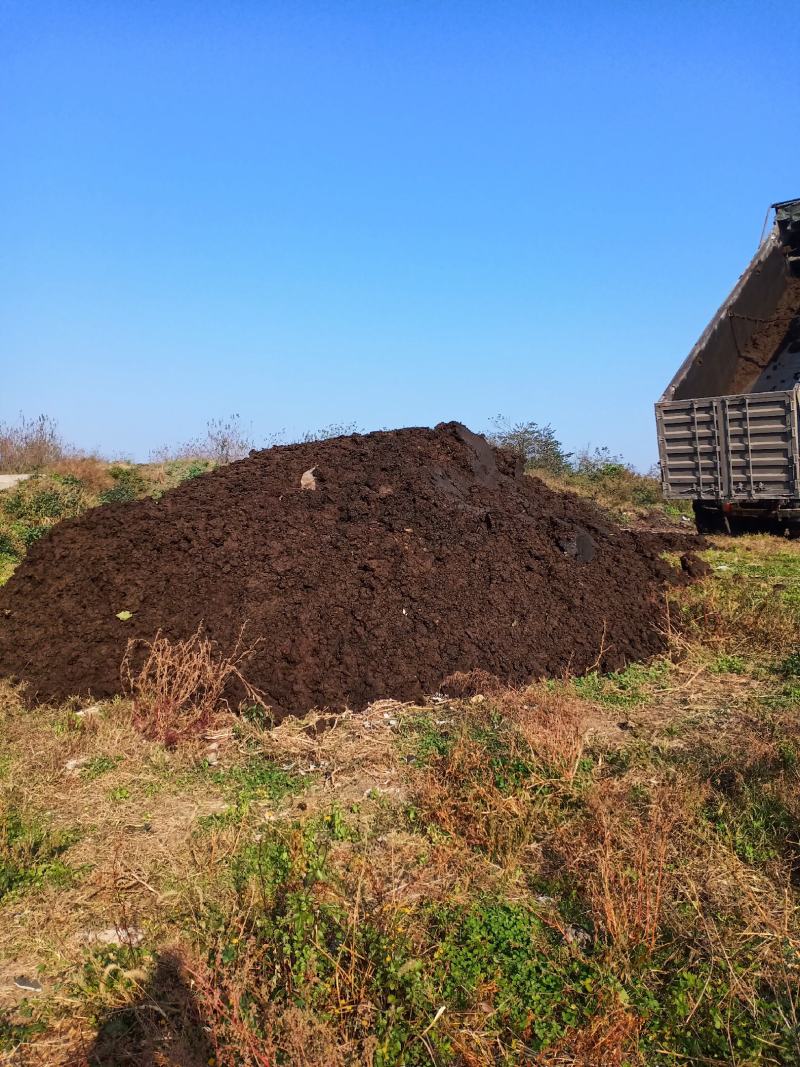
(404,557)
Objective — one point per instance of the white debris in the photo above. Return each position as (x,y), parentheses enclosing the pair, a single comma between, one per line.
(307,479)
(72,766)
(114,935)
(87,713)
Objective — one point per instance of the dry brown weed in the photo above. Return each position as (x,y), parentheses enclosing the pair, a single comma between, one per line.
(178,688)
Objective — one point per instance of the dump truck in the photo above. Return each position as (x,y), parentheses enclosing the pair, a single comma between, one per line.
(727,423)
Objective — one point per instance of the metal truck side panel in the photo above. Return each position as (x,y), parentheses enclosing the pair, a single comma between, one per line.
(742,447)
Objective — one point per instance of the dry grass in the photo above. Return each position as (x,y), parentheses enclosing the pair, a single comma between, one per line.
(90,470)
(509,755)
(622,852)
(30,444)
(282,1035)
(179,688)
(610,1039)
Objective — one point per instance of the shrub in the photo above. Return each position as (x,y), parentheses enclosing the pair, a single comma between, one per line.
(333,429)
(128,485)
(224,441)
(620,853)
(492,783)
(538,446)
(178,687)
(44,500)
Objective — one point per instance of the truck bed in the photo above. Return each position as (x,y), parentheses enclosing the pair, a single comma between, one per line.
(728,421)
(752,343)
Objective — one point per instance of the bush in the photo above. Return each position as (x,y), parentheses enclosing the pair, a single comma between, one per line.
(178,687)
(224,441)
(333,429)
(128,484)
(538,446)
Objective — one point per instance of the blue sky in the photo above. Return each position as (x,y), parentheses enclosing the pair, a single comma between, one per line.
(384,213)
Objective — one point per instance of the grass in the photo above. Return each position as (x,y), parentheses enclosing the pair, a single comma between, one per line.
(30,854)
(626,688)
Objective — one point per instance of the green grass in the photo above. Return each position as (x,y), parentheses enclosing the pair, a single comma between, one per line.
(754,823)
(730,664)
(425,739)
(30,855)
(740,562)
(99,766)
(626,688)
(257,780)
(14,1035)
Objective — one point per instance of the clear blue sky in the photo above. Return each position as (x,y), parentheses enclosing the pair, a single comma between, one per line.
(381,212)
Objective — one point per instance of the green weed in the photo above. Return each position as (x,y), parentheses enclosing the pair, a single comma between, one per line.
(258,779)
(99,766)
(754,824)
(30,854)
(536,989)
(626,688)
(13,1035)
(425,738)
(128,485)
(697,1013)
(729,664)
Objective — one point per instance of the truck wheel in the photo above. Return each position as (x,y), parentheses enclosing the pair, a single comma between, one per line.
(709,520)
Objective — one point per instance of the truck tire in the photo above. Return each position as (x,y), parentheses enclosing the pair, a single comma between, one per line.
(709,520)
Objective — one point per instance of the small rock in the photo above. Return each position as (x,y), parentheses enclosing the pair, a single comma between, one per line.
(307,479)
(31,985)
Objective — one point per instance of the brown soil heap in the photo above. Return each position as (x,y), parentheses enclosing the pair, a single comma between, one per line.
(407,556)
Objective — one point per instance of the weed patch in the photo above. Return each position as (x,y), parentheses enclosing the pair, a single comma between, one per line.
(30,854)
(178,688)
(624,689)
(258,779)
(755,824)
